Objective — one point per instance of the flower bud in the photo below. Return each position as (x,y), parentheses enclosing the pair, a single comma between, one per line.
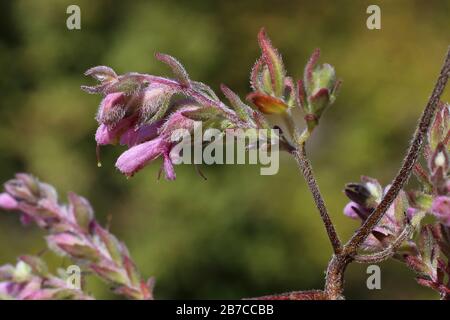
(20,191)
(81,210)
(22,272)
(266,103)
(70,244)
(318,89)
(110,273)
(7,202)
(37,265)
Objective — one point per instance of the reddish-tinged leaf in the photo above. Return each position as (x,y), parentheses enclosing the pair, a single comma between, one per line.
(301,95)
(309,68)
(255,75)
(274,62)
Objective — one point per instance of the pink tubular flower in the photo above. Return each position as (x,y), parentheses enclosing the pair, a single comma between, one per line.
(441,209)
(365,197)
(111,135)
(138,156)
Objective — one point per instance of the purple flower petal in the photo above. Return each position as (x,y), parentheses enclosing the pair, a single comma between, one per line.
(110,135)
(349,210)
(133,136)
(7,202)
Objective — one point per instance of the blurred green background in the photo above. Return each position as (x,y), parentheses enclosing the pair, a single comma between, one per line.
(238,234)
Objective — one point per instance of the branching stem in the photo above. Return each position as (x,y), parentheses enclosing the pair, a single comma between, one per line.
(336,267)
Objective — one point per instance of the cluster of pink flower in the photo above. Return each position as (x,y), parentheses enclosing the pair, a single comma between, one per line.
(142,111)
(425,247)
(73,233)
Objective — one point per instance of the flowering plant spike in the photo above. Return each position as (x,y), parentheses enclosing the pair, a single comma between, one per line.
(143,112)
(73,232)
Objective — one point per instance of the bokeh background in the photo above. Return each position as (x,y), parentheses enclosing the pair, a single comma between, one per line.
(238,234)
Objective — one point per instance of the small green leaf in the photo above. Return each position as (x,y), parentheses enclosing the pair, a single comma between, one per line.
(243,110)
(203,114)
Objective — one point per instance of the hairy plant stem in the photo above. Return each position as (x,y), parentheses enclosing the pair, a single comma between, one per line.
(336,268)
(306,168)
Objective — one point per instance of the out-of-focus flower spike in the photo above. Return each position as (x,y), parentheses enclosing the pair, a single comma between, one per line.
(177,68)
(243,110)
(274,62)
